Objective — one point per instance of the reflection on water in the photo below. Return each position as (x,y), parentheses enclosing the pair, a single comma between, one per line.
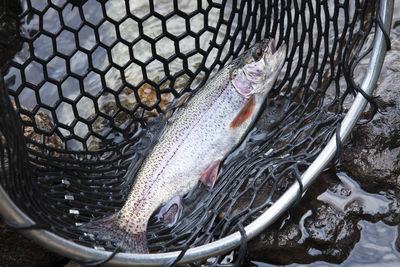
(372,204)
(376,247)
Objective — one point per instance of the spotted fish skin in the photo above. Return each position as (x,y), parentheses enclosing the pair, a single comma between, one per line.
(202,132)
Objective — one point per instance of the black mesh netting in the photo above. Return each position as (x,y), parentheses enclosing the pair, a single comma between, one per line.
(81,81)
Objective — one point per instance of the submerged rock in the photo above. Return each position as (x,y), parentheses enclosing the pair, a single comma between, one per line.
(16,250)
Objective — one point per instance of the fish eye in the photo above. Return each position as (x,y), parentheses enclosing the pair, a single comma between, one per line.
(234,74)
(258,53)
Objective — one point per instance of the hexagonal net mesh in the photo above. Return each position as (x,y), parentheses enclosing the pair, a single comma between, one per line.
(81,81)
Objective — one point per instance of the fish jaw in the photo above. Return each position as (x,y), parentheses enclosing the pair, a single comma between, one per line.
(258,70)
(274,62)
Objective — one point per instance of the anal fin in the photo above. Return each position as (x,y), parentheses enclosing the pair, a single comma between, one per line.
(171,211)
(210,175)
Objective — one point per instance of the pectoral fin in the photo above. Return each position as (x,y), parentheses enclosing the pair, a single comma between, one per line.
(244,113)
(210,175)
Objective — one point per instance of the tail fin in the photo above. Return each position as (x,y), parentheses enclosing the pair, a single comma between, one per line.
(109,229)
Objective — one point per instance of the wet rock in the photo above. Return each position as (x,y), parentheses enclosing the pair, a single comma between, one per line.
(393,217)
(373,155)
(73,264)
(314,230)
(16,250)
(325,224)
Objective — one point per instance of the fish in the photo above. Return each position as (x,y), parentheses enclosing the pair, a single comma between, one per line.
(190,149)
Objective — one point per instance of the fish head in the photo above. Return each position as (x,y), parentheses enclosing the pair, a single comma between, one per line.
(256,70)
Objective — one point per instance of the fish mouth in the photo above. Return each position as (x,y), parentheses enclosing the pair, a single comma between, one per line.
(276,56)
(272,47)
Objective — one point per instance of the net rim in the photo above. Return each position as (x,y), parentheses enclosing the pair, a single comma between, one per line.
(11,213)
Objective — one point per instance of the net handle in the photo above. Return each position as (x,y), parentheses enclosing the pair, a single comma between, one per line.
(80,253)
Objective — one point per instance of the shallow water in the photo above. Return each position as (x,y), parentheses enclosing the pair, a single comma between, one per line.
(376,247)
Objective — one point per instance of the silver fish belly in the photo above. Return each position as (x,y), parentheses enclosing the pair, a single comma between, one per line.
(194,142)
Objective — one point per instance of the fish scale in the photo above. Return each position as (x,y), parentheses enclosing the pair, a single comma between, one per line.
(195,140)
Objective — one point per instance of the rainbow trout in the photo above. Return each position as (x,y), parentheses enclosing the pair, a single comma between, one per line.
(194,142)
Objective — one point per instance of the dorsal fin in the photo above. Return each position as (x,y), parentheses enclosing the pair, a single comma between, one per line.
(182,100)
